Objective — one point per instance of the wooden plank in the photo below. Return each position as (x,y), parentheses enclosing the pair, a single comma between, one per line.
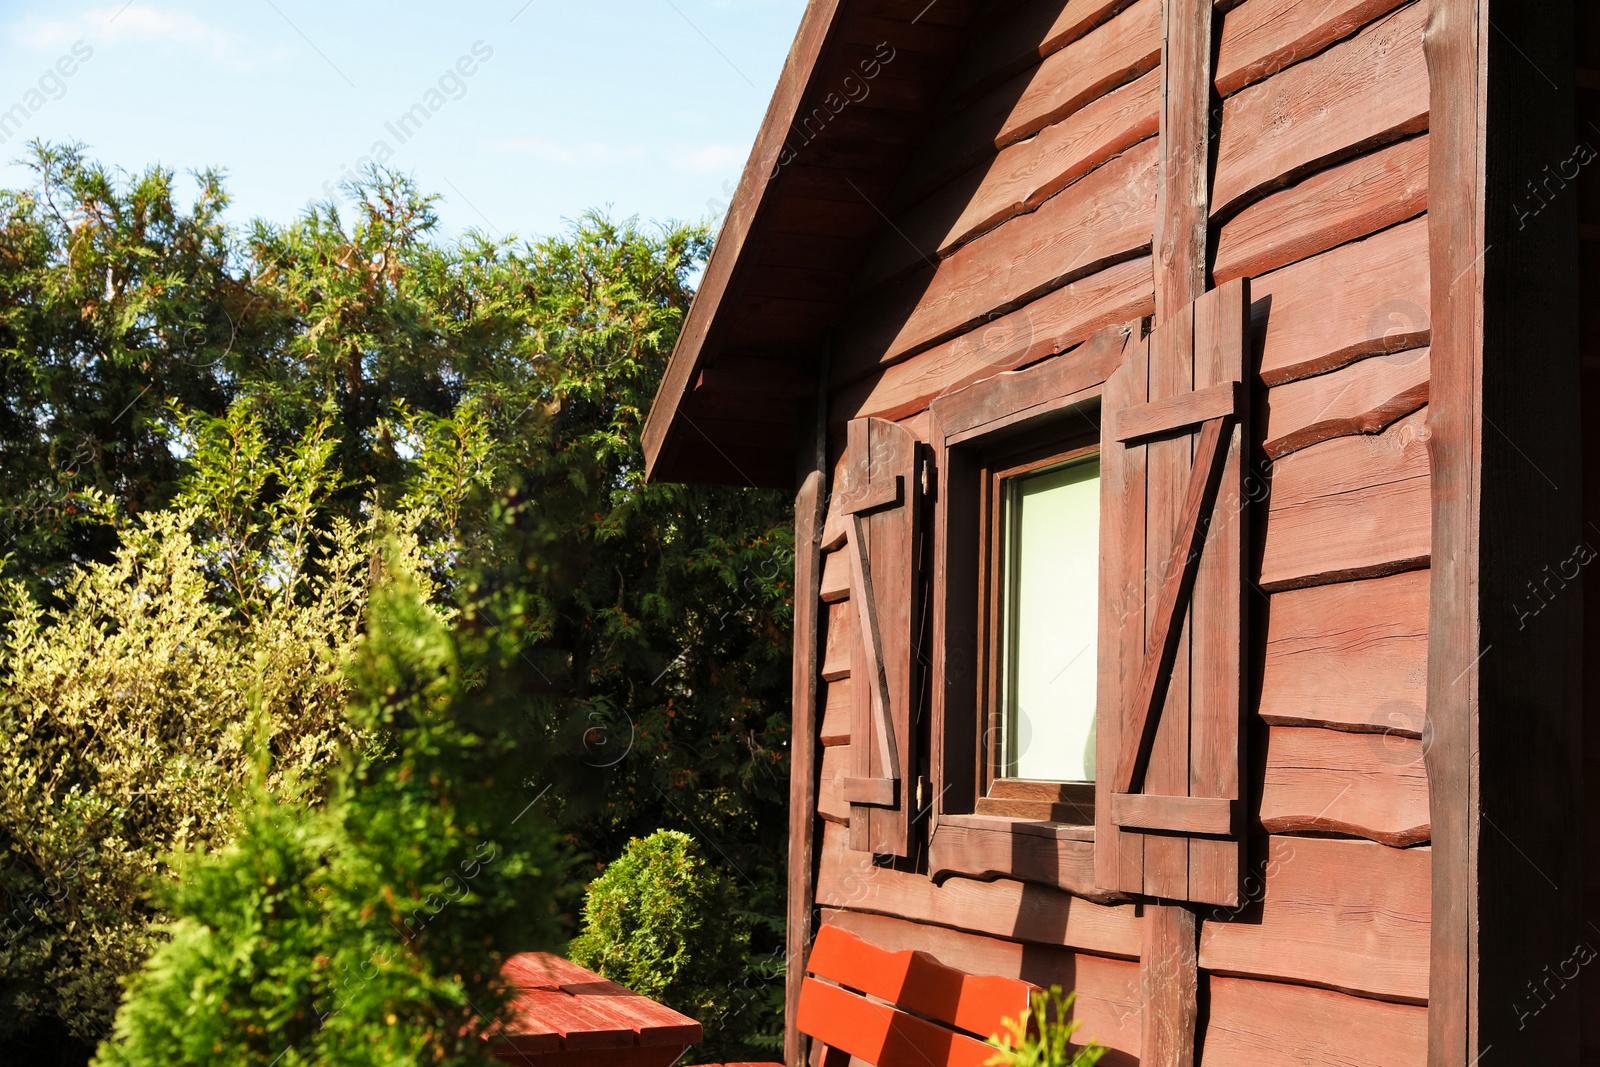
(652,1023)
(1169,979)
(880,1034)
(875,792)
(1182,213)
(1369,89)
(1107,218)
(916,981)
(831,803)
(884,550)
(1108,989)
(1050,325)
(1217,737)
(1457,68)
(1334,206)
(580,1028)
(1184,815)
(873,731)
(1350,915)
(1169,610)
(1034,30)
(835,584)
(1112,55)
(1366,397)
(836,713)
(1017,180)
(840,641)
(1262,37)
(832,541)
(658,1056)
(966,845)
(1119,857)
(1182,412)
(1003,907)
(1369,785)
(1275,1025)
(1160,698)
(1358,300)
(1352,656)
(1508,429)
(1351,507)
(1021,394)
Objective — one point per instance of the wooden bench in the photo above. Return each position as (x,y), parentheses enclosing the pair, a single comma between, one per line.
(900,1009)
(564,1015)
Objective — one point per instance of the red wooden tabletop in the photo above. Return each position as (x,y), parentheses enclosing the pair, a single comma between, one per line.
(565,1014)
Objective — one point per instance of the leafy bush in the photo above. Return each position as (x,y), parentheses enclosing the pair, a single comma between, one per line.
(664,922)
(1043,1036)
(125,719)
(368,930)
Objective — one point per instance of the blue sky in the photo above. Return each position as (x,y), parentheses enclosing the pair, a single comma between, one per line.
(530,112)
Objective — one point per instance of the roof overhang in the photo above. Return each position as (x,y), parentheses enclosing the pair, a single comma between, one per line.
(856,93)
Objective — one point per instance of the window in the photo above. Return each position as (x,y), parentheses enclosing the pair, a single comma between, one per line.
(1049,586)
(1017,621)
(1039,594)
(1066,746)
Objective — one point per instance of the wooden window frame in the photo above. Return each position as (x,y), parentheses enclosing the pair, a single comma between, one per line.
(1057,397)
(1023,453)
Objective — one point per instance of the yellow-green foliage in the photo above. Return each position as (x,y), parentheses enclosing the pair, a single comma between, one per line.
(129,706)
(1043,1036)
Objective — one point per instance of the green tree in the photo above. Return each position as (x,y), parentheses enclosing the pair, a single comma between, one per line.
(368,930)
(489,391)
(113,301)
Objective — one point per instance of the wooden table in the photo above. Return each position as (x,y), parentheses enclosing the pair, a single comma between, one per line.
(567,1015)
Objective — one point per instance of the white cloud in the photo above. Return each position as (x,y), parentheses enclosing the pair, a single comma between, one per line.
(710,158)
(136,22)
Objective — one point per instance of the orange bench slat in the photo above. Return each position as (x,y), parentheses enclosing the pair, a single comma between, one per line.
(918,982)
(881,1034)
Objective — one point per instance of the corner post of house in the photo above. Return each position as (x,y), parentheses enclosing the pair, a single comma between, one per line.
(810,512)
(1502,744)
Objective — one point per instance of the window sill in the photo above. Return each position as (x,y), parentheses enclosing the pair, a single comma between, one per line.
(988,847)
(1060,831)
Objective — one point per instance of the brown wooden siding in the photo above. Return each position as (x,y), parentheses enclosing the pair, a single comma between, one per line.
(1024,225)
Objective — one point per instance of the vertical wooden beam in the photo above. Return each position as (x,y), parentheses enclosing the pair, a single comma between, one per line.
(1502,747)
(1169,972)
(1184,195)
(1453,46)
(810,512)
(1169,966)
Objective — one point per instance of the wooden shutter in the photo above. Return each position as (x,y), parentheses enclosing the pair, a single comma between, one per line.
(1174,525)
(881,501)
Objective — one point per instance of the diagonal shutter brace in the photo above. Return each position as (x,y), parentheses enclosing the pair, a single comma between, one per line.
(1173,601)
(881,791)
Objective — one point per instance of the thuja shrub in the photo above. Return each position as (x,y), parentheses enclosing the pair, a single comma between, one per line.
(369,929)
(664,922)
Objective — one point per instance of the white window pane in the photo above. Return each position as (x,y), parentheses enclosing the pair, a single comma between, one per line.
(1049,622)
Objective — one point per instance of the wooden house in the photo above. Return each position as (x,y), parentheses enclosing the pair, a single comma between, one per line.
(1185,409)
